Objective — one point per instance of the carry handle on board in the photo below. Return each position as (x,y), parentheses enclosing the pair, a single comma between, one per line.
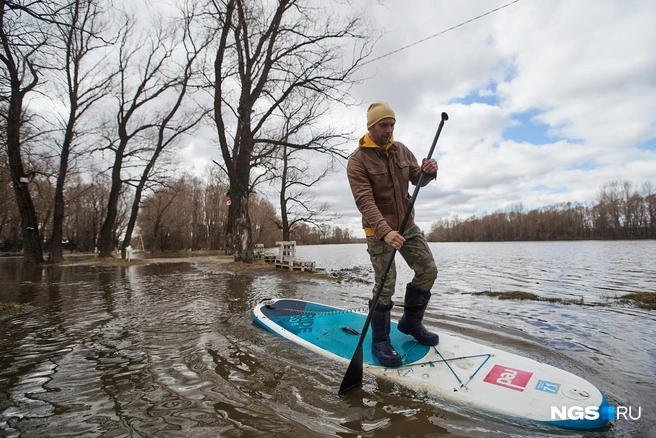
(353,376)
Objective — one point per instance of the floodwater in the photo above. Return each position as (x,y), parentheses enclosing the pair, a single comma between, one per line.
(170,350)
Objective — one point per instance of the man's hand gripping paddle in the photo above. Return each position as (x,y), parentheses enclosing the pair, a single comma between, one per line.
(353,376)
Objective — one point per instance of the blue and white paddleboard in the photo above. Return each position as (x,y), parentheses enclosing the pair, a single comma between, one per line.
(458,370)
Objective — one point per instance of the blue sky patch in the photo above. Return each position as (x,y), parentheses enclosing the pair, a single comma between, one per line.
(528,130)
(551,190)
(648,145)
(586,165)
(476,97)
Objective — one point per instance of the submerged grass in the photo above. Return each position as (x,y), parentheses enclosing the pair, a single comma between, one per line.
(510,295)
(644,300)
(519,295)
(6,308)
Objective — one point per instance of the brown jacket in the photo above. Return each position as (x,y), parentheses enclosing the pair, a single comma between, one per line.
(379,182)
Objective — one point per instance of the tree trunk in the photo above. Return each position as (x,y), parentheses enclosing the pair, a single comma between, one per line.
(106,243)
(239,237)
(283,196)
(56,250)
(285,222)
(32,249)
(133,214)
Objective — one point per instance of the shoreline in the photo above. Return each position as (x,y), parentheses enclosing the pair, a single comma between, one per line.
(218,261)
(207,259)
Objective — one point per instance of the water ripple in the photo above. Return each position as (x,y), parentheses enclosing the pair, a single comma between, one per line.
(170,350)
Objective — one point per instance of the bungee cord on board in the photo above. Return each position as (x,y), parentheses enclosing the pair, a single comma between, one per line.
(361,309)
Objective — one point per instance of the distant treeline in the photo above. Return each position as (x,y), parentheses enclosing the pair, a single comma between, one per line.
(188,213)
(622,212)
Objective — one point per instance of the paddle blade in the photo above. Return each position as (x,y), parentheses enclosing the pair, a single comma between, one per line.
(353,376)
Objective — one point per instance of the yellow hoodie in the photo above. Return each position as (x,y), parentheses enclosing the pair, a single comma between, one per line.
(367,142)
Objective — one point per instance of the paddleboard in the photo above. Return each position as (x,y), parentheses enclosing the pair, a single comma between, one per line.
(458,370)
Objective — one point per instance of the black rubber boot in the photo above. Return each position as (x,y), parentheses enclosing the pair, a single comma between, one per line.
(381,347)
(416,301)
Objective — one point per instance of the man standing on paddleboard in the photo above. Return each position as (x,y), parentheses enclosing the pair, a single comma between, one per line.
(379,173)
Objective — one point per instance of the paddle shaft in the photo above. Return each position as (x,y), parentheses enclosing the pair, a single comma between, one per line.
(353,376)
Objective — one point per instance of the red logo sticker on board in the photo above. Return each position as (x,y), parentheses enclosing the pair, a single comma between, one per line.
(508,378)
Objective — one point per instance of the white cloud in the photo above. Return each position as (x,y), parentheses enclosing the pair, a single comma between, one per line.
(584,69)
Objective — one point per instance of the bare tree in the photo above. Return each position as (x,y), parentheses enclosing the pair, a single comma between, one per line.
(24,33)
(293,166)
(297,203)
(267,53)
(9,212)
(80,31)
(158,217)
(610,209)
(197,227)
(87,207)
(153,81)
(649,194)
(175,121)
(216,208)
(263,221)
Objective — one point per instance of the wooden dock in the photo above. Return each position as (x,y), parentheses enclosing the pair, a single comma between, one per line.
(286,258)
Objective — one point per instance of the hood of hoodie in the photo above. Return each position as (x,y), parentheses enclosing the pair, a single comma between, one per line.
(367,142)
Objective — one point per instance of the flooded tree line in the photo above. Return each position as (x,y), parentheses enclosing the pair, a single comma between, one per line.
(621,212)
(187,213)
(109,92)
(192,215)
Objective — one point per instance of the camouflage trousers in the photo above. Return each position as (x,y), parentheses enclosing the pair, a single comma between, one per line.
(415,252)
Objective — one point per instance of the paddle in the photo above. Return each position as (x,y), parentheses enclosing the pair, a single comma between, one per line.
(353,376)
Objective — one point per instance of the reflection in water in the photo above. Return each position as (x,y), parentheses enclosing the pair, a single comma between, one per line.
(171,350)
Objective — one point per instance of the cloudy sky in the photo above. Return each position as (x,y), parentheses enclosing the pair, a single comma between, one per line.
(547,100)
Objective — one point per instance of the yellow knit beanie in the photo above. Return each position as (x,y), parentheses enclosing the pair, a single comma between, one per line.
(378,111)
